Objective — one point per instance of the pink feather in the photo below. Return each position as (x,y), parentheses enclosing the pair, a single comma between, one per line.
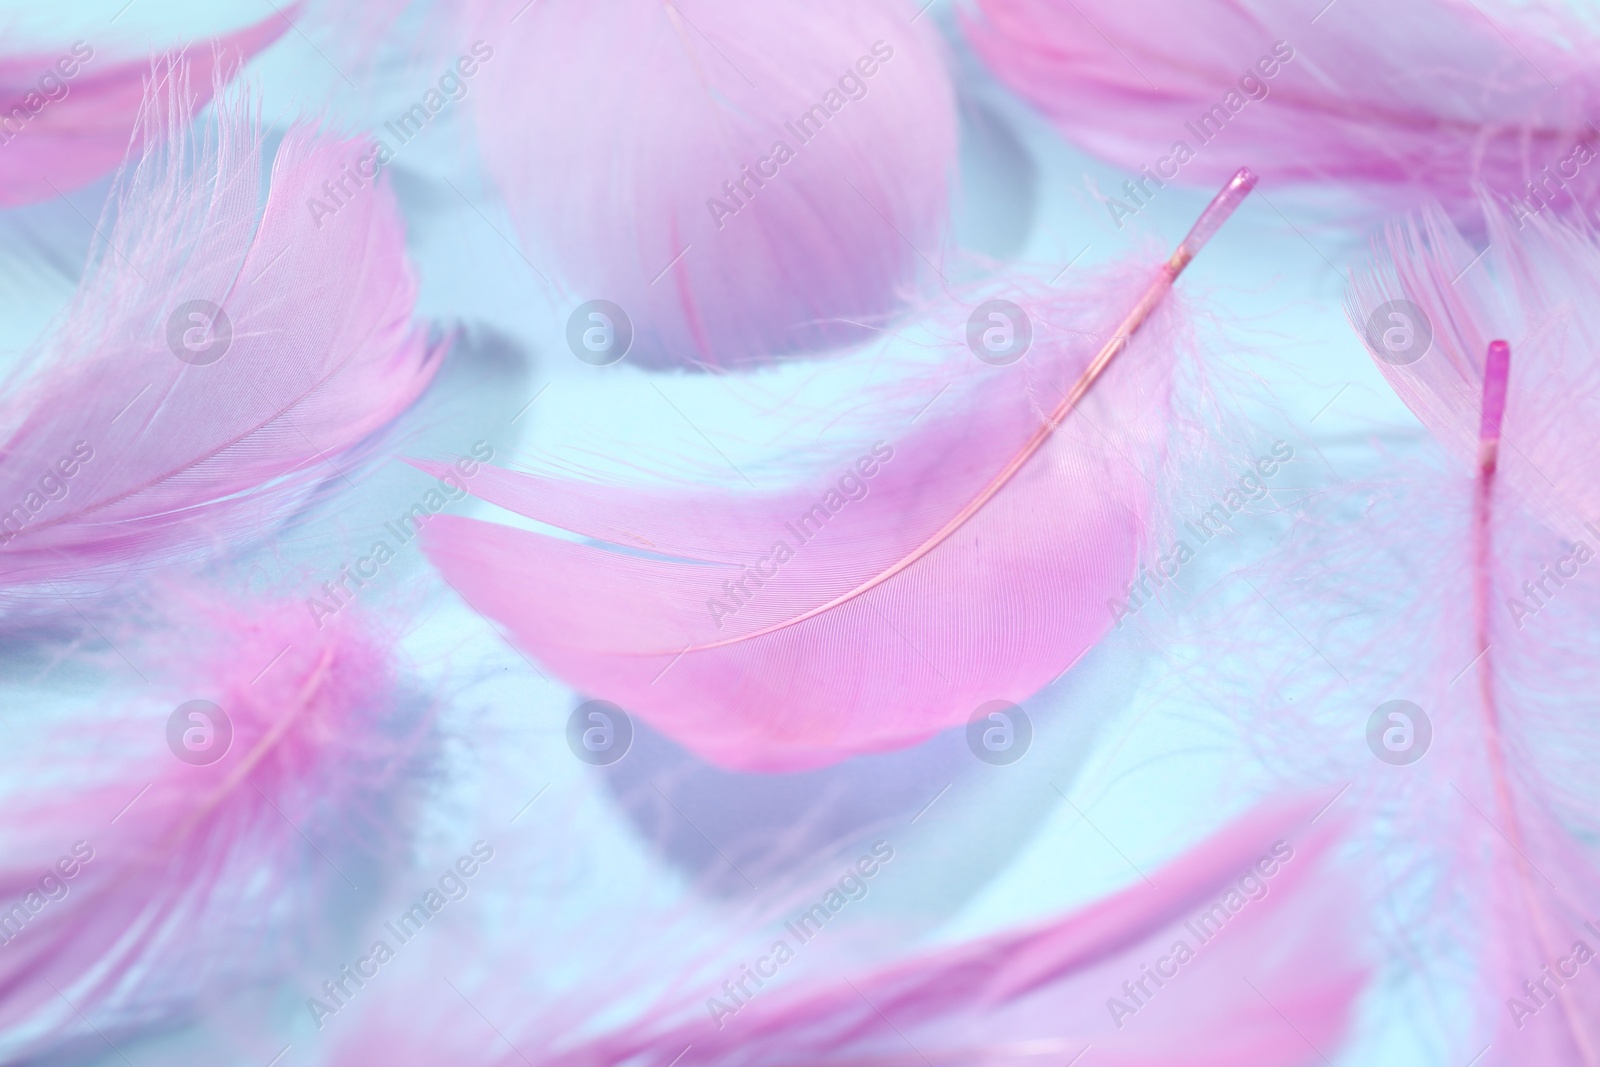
(977,565)
(1517,748)
(195,878)
(1275,986)
(619,198)
(1456,583)
(1445,94)
(52,146)
(119,454)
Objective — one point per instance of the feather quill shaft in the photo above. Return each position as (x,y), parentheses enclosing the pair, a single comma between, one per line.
(1216,213)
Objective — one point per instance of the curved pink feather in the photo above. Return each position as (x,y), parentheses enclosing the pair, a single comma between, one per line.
(135,443)
(1405,101)
(829,626)
(1274,985)
(972,560)
(642,196)
(52,144)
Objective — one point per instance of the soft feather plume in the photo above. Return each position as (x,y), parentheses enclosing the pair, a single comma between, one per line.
(973,559)
(1274,987)
(666,191)
(184,880)
(1463,583)
(1403,101)
(68,118)
(1517,748)
(118,454)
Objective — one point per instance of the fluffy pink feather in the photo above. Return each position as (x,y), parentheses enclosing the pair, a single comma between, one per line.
(1406,101)
(151,428)
(1514,758)
(52,144)
(667,193)
(1273,986)
(971,560)
(183,880)
(1460,583)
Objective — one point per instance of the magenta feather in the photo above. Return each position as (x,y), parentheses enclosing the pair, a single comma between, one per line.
(1275,986)
(55,144)
(194,878)
(119,454)
(972,560)
(1447,95)
(651,194)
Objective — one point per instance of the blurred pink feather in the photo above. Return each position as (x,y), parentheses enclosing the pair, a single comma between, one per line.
(973,560)
(154,428)
(666,191)
(53,145)
(1402,100)
(1274,983)
(1520,747)
(194,878)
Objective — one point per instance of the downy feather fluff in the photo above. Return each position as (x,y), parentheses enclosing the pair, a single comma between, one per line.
(1270,978)
(149,429)
(745,182)
(1401,101)
(136,883)
(968,555)
(1463,582)
(67,118)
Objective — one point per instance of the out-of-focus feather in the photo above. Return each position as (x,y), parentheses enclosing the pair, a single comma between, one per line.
(667,191)
(1270,977)
(971,560)
(1464,585)
(184,877)
(67,119)
(151,427)
(1405,101)
(1533,284)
